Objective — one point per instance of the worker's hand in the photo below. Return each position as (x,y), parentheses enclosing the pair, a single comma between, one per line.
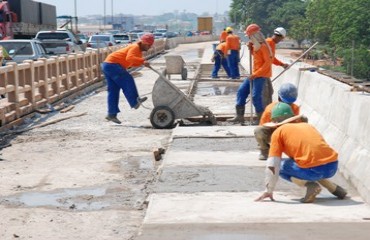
(265,195)
(146,64)
(285,65)
(250,46)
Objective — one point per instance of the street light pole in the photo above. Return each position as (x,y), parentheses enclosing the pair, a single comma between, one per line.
(112,12)
(76,18)
(104,17)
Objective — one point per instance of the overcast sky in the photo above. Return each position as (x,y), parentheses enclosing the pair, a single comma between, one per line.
(138,7)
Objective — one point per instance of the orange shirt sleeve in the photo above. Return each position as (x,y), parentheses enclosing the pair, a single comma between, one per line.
(134,57)
(272,45)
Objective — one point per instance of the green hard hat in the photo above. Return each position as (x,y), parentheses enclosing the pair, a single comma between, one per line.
(281,111)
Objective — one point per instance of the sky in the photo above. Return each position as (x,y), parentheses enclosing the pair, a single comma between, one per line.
(137,7)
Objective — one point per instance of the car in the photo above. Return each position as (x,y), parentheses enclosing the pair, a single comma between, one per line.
(101,41)
(84,38)
(122,38)
(59,41)
(24,49)
(159,35)
(171,34)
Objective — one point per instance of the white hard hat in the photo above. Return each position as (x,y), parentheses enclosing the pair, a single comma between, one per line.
(280,31)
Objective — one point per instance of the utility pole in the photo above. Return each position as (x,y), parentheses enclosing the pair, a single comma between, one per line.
(76,18)
(112,12)
(104,17)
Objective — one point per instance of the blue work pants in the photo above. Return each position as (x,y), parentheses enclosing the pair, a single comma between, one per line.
(233,62)
(289,168)
(218,62)
(118,78)
(244,91)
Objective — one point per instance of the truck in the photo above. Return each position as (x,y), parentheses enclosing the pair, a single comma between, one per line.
(205,24)
(22,19)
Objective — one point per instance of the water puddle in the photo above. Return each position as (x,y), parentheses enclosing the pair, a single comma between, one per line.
(79,199)
(216,89)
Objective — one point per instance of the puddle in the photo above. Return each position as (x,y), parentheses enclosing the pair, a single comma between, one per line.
(216,89)
(79,199)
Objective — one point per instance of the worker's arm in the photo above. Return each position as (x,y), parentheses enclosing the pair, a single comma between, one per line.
(277,62)
(272,176)
(134,57)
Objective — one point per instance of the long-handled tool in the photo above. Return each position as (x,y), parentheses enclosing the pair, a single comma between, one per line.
(295,61)
(251,86)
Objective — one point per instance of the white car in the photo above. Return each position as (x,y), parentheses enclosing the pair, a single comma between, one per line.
(101,41)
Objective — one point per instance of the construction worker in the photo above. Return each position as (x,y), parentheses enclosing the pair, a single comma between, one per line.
(4,55)
(220,58)
(278,36)
(233,47)
(288,94)
(115,70)
(223,36)
(262,60)
(311,160)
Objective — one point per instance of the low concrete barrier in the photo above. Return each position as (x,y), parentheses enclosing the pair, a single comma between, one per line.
(342,117)
(30,85)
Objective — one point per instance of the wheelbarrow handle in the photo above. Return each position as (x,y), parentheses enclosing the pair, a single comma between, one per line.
(159,73)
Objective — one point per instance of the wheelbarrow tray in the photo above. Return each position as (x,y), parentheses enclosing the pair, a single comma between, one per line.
(165,93)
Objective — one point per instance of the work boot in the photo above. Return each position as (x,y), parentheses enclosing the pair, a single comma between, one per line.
(113,118)
(259,115)
(239,118)
(140,101)
(263,155)
(313,189)
(340,192)
(333,188)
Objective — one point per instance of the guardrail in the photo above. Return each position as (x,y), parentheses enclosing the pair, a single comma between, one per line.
(33,84)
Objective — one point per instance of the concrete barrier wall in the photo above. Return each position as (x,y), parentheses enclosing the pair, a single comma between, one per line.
(174,42)
(342,117)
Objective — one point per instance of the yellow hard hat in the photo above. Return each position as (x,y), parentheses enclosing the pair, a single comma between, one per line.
(229,29)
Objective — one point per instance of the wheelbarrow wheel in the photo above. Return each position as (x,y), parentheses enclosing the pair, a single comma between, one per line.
(184,74)
(162,117)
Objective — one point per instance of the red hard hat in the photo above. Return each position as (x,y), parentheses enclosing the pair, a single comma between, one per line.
(252,29)
(147,38)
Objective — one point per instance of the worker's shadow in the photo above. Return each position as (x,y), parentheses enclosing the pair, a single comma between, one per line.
(326,201)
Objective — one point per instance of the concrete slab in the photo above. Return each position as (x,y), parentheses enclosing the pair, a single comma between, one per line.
(220,215)
(213,131)
(212,158)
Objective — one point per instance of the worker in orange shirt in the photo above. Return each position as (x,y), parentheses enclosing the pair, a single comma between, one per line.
(220,58)
(118,78)
(233,47)
(278,36)
(311,160)
(288,94)
(223,36)
(262,60)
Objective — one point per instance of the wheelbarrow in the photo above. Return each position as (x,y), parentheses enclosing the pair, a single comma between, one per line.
(175,65)
(170,103)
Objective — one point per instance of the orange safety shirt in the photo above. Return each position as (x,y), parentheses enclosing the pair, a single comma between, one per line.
(223,36)
(233,42)
(272,45)
(266,115)
(130,56)
(262,62)
(222,47)
(303,143)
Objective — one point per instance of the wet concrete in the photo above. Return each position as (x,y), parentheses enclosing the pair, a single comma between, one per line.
(216,88)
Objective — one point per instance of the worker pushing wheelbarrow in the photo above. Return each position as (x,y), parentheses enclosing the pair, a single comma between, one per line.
(170,104)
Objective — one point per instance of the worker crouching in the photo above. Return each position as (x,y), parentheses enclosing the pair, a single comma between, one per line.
(311,160)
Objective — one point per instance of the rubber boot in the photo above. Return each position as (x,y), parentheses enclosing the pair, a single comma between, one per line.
(333,188)
(113,118)
(239,118)
(313,189)
(263,155)
(259,115)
